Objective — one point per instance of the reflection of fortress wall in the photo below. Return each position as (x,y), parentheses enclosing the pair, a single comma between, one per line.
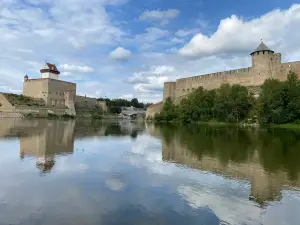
(264,186)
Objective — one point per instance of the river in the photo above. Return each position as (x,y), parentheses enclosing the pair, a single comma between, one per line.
(82,172)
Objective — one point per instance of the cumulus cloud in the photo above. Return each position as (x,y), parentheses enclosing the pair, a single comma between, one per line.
(151,80)
(162,16)
(73,68)
(120,53)
(235,34)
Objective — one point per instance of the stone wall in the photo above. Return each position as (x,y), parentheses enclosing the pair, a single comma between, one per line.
(153,109)
(21,111)
(169,90)
(57,91)
(35,88)
(250,77)
(83,102)
(5,104)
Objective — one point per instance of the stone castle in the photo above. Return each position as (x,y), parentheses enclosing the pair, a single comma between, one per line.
(59,96)
(265,64)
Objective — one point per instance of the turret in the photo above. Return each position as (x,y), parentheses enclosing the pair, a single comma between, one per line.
(262,58)
(25,78)
(50,71)
(169,91)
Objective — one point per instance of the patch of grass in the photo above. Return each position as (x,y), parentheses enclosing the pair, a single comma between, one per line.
(15,99)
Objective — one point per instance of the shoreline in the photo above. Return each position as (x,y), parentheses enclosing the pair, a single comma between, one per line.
(243,125)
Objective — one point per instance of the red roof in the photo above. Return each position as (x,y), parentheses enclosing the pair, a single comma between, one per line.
(52,69)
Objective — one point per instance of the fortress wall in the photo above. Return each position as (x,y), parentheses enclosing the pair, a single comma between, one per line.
(286,67)
(243,76)
(169,90)
(153,109)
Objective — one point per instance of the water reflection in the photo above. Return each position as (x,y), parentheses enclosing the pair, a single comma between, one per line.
(116,173)
(47,139)
(268,159)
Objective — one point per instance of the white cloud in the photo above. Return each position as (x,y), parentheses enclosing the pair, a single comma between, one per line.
(176,40)
(186,32)
(237,35)
(151,80)
(120,53)
(152,34)
(127,96)
(162,16)
(74,68)
(66,73)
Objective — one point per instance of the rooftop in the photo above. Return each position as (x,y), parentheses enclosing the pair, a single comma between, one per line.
(262,47)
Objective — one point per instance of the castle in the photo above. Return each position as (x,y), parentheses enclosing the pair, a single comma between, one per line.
(57,96)
(265,64)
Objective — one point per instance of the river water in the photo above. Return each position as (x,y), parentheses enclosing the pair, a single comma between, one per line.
(67,173)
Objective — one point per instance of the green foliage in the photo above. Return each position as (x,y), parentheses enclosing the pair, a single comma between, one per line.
(115,105)
(279,102)
(169,112)
(97,113)
(228,103)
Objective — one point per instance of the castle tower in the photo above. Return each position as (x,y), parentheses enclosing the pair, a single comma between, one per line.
(169,91)
(50,71)
(262,60)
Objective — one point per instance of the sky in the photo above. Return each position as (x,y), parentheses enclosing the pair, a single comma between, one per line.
(129,48)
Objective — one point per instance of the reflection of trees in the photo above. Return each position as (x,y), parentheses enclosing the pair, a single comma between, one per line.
(280,149)
(276,149)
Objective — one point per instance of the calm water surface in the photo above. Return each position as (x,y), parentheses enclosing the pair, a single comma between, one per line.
(74,173)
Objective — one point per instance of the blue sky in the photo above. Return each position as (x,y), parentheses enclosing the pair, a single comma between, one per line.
(129,48)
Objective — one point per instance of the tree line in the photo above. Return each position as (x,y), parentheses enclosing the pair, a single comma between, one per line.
(115,105)
(278,103)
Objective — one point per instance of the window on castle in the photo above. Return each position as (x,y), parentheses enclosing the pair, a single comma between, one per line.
(263,52)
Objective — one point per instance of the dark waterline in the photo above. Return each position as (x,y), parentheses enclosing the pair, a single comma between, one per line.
(67,172)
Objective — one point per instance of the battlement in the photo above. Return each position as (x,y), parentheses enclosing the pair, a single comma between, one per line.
(49,79)
(237,72)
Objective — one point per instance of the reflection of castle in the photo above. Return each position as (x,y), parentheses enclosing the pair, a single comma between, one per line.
(265,185)
(51,139)
(47,139)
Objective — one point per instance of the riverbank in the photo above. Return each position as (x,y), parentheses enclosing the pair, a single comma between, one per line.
(218,124)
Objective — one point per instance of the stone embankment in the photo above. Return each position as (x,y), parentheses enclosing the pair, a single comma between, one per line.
(11,115)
